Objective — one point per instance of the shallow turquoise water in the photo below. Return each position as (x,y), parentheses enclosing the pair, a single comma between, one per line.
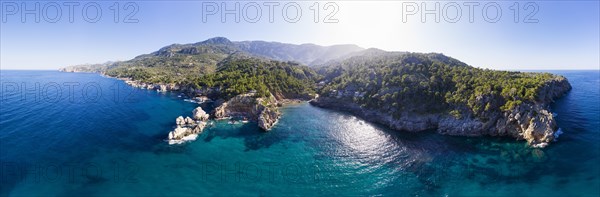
(115,146)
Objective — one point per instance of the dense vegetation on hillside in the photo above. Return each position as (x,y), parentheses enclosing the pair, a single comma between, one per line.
(172,64)
(213,65)
(428,83)
(240,75)
(391,81)
(177,63)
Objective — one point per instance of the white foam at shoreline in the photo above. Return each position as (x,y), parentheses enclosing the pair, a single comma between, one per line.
(192,101)
(191,137)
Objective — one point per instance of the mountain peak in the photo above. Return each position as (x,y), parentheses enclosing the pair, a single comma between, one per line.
(217,40)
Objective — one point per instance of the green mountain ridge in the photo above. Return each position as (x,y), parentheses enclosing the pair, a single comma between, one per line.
(404,90)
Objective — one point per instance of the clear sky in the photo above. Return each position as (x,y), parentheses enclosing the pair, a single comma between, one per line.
(545,35)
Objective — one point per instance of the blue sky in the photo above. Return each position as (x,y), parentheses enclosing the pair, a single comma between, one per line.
(565,36)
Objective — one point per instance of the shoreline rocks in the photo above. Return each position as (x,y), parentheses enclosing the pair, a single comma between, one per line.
(268,118)
(263,110)
(151,86)
(188,128)
(200,114)
(528,121)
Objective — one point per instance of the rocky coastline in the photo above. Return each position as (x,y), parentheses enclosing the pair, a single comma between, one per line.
(161,87)
(530,121)
(263,111)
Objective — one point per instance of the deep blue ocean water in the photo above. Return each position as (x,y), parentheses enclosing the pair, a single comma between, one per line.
(104,138)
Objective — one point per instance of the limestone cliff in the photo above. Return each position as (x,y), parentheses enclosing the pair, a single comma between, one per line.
(264,110)
(531,121)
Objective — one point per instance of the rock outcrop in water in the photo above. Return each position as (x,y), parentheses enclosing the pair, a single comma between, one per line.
(261,110)
(200,114)
(268,118)
(188,127)
(530,121)
(264,111)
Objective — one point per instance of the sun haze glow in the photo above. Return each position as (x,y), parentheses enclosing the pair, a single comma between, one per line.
(565,36)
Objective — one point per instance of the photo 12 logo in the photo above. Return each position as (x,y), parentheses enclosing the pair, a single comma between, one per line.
(71,92)
(453,12)
(72,11)
(270,11)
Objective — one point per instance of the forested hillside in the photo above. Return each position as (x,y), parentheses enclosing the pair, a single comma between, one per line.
(239,75)
(416,91)
(429,83)
(406,91)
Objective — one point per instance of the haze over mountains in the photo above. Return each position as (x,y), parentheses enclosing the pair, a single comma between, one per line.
(307,54)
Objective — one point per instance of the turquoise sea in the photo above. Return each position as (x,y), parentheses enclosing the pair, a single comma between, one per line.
(78,134)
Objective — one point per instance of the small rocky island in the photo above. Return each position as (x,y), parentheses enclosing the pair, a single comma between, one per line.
(404,91)
(188,127)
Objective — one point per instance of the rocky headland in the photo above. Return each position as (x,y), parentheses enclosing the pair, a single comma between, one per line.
(262,110)
(530,121)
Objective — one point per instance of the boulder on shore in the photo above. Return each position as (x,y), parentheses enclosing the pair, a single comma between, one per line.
(200,114)
(180,121)
(268,118)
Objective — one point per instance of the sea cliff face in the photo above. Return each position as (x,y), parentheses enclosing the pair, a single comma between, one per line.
(262,110)
(161,87)
(530,121)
